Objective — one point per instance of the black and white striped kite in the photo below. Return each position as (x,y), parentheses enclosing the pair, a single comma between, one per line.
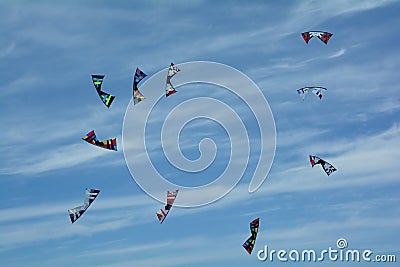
(90,196)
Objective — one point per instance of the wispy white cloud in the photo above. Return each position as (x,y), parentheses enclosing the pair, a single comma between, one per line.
(315,233)
(351,162)
(328,10)
(54,159)
(52,209)
(16,235)
(186,259)
(59,141)
(21,83)
(338,53)
(195,241)
(349,157)
(388,105)
(122,212)
(8,50)
(328,232)
(129,250)
(286,138)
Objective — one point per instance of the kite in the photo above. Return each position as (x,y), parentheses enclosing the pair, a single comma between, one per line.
(249,244)
(323,36)
(91,138)
(328,168)
(137,96)
(90,196)
(161,215)
(317,90)
(169,88)
(105,97)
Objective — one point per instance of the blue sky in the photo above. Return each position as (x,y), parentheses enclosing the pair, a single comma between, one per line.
(49,49)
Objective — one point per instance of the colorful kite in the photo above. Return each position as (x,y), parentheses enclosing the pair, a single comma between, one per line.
(169,88)
(328,168)
(249,244)
(161,215)
(323,36)
(105,97)
(91,138)
(90,196)
(317,90)
(137,96)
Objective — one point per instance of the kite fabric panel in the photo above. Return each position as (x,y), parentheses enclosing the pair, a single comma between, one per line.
(105,97)
(249,244)
(91,138)
(171,196)
(317,90)
(326,166)
(90,196)
(137,96)
(169,88)
(323,36)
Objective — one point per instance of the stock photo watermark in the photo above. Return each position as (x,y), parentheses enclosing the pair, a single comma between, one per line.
(340,253)
(223,78)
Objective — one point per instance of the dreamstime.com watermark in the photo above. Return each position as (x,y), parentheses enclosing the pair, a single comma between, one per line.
(340,253)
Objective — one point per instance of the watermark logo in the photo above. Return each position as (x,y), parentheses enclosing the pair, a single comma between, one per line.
(138,137)
(339,254)
(341,243)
